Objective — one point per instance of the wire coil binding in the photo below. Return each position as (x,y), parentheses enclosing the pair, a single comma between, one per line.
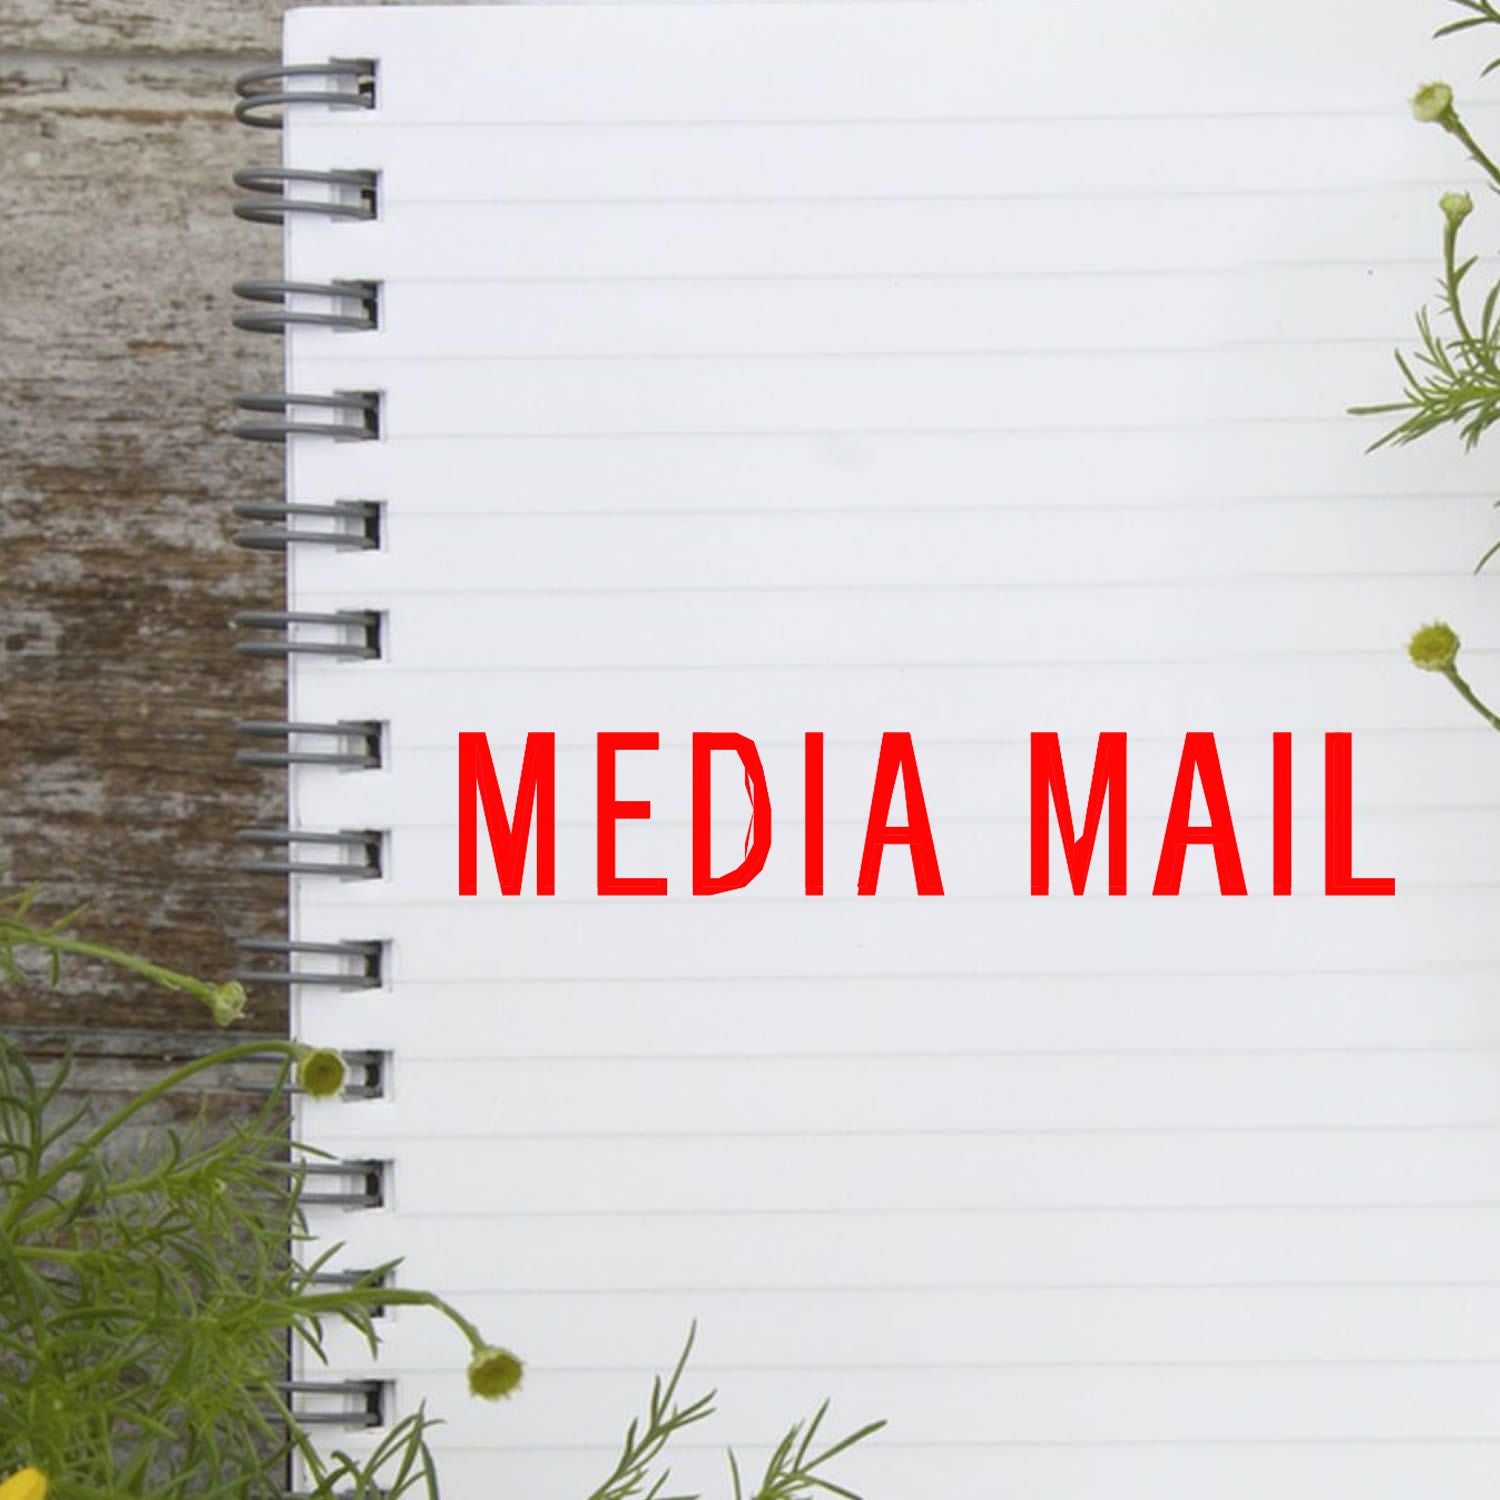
(360,963)
(355,633)
(367,1398)
(356,416)
(362,846)
(349,193)
(358,1183)
(353,525)
(274,195)
(360,740)
(375,1276)
(263,90)
(362,296)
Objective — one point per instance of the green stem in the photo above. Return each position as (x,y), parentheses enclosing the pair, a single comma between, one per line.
(95,1138)
(298,1441)
(19,935)
(1460,132)
(1476,349)
(47,1254)
(1450,281)
(1470,697)
(380,1296)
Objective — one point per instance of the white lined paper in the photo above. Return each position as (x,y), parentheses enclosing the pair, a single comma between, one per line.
(792,367)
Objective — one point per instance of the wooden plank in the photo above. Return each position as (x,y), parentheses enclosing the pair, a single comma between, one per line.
(117,362)
(241,29)
(238,28)
(110,1068)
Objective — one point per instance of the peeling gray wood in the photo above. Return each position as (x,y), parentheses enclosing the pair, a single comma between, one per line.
(208,28)
(118,685)
(108,1068)
(223,28)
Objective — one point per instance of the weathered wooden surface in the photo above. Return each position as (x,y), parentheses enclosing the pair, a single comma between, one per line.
(108,1068)
(117,361)
(133,28)
(117,778)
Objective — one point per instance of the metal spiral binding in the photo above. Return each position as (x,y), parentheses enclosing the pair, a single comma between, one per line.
(274,195)
(374,1276)
(353,525)
(263,90)
(362,408)
(353,1184)
(363,296)
(355,633)
(360,741)
(363,846)
(351,193)
(359,963)
(367,1397)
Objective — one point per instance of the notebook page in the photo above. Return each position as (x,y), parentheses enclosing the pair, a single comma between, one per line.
(948,370)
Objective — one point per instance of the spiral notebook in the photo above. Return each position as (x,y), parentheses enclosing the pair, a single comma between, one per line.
(893,387)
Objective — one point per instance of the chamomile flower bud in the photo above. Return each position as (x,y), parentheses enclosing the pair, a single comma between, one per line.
(321,1072)
(28,1484)
(1434,647)
(1456,207)
(493,1373)
(1432,104)
(227,1002)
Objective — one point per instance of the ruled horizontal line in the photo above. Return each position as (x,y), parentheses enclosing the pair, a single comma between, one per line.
(441,668)
(373,357)
(927,1211)
(741,1368)
(1307,816)
(966,1210)
(1339,420)
(1040,1288)
(1311,896)
(798,511)
(1249,1052)
(374,120)
(479,905)
(1404,188)
(1015,273)
(1011,896)
(918,1211)
(701,1133)
(955,586)
(1062,1445)
(584,746)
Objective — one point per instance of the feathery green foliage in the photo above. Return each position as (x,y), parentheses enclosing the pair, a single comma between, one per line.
(148,1299)
(790,1472)
(1478,13)
(1452,378)
(644,1441)
(148,1296)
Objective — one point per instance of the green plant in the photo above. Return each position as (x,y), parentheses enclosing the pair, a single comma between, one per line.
(147,1300)
(1452,378)
(791,1472)
(147,1296)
